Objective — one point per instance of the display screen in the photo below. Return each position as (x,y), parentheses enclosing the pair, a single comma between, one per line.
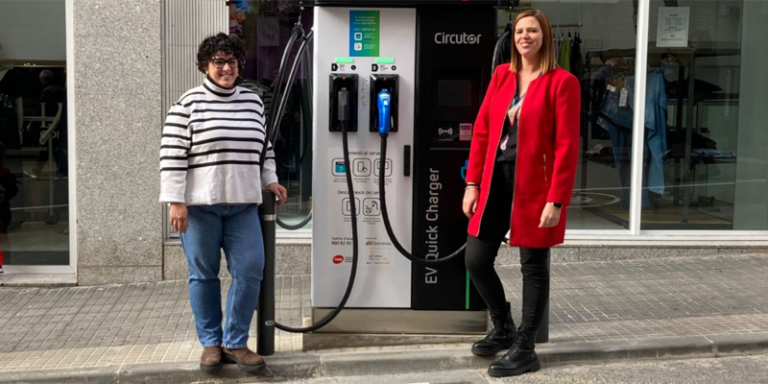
(454,93)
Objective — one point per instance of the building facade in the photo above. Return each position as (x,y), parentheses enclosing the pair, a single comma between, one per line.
(86,84)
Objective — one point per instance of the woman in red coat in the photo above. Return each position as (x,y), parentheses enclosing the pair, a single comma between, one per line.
(525,141)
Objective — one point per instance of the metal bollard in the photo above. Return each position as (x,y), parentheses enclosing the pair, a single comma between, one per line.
(265,312)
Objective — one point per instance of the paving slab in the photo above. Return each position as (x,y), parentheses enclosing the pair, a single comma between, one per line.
(603,310)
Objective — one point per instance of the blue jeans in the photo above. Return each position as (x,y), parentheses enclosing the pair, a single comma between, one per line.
(656,124)
(618,121)
(236,229)
(621,139)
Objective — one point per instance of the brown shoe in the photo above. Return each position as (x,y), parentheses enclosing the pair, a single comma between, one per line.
(247,360)
(210,361)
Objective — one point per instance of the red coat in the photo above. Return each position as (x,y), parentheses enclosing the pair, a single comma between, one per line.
(547,152)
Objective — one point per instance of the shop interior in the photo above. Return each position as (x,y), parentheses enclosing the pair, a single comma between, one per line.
(34,219)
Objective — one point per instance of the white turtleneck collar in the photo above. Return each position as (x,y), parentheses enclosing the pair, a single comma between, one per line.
(218,90)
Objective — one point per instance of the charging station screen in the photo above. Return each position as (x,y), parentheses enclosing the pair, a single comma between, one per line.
(454,93)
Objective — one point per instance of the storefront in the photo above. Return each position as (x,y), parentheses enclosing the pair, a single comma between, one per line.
(81,181)
(695,171)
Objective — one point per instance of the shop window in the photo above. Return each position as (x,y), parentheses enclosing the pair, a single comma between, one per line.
(707,60)
(266,28)
(34,202)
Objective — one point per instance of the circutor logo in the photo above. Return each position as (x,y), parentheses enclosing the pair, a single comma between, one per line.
(455,38)
(464,170)
(338,259)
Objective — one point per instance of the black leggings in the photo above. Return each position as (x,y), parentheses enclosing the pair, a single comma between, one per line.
(482,250)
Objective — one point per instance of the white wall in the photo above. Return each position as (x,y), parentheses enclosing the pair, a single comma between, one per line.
(33,30)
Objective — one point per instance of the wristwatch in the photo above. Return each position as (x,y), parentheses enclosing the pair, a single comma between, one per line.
(557,205)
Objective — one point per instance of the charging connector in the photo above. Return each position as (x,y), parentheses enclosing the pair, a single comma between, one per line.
(343,89)
(385,108)
(344,112)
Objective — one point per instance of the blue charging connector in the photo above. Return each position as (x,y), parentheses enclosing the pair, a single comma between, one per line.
(385,101)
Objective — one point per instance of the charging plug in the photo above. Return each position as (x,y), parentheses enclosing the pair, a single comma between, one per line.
(385,108)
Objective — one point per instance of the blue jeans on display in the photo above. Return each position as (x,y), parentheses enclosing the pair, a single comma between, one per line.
(656,124)
(621,140)
(618,121)
(236,229)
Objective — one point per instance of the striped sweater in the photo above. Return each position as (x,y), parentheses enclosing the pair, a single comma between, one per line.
(211,144)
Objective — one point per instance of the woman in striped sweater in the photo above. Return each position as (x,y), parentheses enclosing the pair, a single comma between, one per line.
(212,179)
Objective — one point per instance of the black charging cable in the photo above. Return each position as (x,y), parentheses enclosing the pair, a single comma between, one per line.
(345,115)
(388,225)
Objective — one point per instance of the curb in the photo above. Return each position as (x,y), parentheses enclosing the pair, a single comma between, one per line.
(296,366)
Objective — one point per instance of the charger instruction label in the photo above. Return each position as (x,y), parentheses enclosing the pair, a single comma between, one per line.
(374,244)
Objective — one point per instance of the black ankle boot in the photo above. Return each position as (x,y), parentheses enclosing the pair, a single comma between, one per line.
(520,358)
(501,337)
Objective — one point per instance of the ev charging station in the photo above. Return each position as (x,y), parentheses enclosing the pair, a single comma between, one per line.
(419,70)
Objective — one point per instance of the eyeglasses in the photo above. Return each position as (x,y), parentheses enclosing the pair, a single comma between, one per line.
(219,63)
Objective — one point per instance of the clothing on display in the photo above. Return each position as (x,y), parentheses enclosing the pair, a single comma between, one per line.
(712,154)
(10,91)
(596,83)
(568,54)
(10,188)
(615,121)
(616,117)
(656,125)
(51,96)
(564,59)
(577,61)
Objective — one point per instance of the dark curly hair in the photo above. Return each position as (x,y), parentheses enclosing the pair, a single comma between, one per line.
(220,43)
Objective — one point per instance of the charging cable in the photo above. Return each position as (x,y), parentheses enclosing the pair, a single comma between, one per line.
(385,106)
(345,115)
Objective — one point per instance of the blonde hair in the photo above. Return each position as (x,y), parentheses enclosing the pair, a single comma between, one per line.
(547,52)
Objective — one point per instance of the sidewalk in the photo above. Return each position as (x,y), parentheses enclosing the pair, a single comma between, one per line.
(706,306)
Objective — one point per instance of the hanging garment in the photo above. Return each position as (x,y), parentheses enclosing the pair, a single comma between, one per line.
(656,123)
(597,88)
(617,118)
(618,121)
(565,59)
(577,61)
(10,90)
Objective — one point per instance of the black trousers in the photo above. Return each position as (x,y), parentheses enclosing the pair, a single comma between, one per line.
(481,254)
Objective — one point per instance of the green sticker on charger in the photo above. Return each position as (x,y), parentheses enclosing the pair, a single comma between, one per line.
(364,33)
(344,60)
